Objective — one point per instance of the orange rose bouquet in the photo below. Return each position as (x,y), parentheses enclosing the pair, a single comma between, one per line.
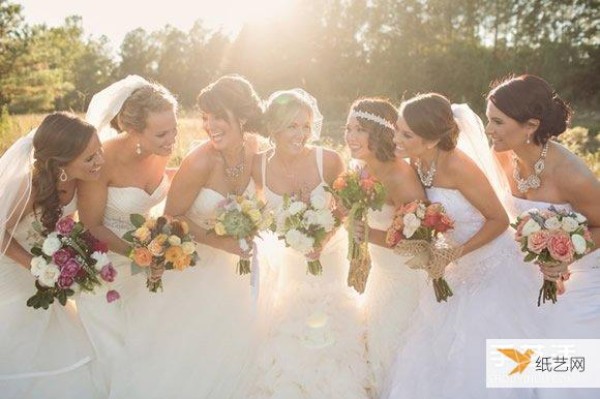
(159,244)
(417,231)
(358,192)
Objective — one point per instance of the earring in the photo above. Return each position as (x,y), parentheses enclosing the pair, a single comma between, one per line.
(528,140)
(63,176)
(138,149)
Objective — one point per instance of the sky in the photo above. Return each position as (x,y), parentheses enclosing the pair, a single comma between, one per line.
(114,18)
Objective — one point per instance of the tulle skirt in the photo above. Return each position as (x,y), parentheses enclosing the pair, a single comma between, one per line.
(313,345)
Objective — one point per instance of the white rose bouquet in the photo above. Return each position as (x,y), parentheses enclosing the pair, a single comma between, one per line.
(304,226)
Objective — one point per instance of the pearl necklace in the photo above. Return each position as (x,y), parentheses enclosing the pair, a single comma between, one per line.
(426,177)
(532,181)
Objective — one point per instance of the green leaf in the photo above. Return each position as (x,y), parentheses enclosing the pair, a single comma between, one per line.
(137,220)
(128,236)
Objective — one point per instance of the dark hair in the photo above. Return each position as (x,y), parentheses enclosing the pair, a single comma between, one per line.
(381,138)
(141,103)
(60,138)
(235,94)
(530,97)
(430,117)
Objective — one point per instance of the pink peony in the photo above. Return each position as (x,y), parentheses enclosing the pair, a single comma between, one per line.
(71,268)
(538,241)
(65,225)
(561,247)
(108,273)
(65,281)
(112,296)
(61,257)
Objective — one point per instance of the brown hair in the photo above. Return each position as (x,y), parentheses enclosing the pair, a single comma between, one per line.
(235,94)
(430,117)
(530,97)
(60,138)
(381,138)
(150,98)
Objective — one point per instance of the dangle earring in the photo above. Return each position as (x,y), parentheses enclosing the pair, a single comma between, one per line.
(528,140)
(63,176)
(138,149)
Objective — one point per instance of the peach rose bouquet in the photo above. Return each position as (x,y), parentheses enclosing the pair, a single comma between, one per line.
(417,231)
(159,244)
(553,239)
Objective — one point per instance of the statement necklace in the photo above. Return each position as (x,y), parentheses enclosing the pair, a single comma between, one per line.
(235,171)
(426,177)
(532,181)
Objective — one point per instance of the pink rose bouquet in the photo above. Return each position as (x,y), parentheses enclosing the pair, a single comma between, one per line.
(552,238)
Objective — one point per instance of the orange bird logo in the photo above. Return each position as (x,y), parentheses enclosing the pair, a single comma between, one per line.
(522,359)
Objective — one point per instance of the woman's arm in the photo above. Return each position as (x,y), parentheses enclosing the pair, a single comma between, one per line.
(91,205)
(476,189)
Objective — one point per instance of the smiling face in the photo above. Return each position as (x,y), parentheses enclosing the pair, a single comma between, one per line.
(357,139)
(506,133)
(292,138)
(87,165)
(408,143)
(223,131)
(160,132)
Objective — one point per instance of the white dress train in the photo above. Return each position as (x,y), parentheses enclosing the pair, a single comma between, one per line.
(43,353)
(194,339)
(391,296)
(105,322)
(443,353)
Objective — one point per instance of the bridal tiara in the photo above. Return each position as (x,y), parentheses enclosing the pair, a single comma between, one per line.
(373,118)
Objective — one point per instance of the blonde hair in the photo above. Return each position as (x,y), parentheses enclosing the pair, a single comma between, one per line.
(283,109)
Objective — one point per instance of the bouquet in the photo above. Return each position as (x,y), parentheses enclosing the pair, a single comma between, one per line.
(304,226)
(159,244)
(358,192)
(417,231)
(69,259)
(242,218)
(553,238)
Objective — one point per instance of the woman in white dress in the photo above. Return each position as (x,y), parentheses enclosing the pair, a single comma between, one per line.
(43,353)
(134,180)
(201,339)
(314,344)
(392,289)
(443,353)
(524,113)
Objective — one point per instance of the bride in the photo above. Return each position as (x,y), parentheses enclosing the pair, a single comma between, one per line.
(133,181)
(314,344)
(392,289)
(43,353)
(443,354)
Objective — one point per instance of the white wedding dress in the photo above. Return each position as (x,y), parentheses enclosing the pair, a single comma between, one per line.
(106,322)
(390,298)
(314,345)
(195,339)
(443,353)
(576,314)
(43,353)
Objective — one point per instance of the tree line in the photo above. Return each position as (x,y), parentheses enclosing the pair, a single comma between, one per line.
(336,49)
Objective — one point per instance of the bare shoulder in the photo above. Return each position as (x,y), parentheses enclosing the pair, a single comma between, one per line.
(333,165)
(331,157)
(200,159)
(458,164)
(570,172)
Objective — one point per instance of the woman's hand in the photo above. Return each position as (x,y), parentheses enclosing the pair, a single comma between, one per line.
(232,245)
